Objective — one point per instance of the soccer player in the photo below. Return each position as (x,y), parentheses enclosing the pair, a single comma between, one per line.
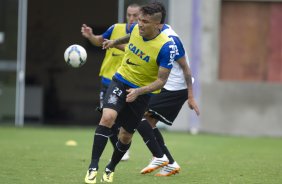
(113,56)
(148,58)
(165,106)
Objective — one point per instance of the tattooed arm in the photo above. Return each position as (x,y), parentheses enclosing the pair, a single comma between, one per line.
(187,75)
(133,93)
(113,43)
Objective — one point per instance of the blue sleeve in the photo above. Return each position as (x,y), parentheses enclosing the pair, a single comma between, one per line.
(131,27)
(180,51)
(166,55)
(108,33)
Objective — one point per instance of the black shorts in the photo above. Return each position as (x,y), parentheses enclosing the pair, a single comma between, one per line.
(129,114)
(103,91)
(166,105)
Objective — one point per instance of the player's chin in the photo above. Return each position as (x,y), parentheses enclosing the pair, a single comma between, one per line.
(141,33)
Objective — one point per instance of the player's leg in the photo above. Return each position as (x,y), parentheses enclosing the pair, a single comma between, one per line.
(103,130)
(162,144)
(147,133)
(114,139)
(120,149)
(157,140)
(114,135)
(102,133)
(159,158)
(172,167)
(165,107)
(126,156)
(130,118)
(168,111)
(115,127)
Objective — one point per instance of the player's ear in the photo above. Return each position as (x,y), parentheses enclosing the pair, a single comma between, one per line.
(158,26)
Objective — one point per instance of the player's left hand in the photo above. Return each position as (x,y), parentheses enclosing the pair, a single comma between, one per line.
(108,44)
(132,94)
(193,105)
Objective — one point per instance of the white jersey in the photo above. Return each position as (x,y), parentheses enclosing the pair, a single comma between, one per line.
(176,80)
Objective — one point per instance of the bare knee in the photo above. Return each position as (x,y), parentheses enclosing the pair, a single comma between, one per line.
(108,118)
(124,136)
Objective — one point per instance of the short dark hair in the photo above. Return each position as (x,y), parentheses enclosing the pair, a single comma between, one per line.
(163,10)
(134,5)
(153,8)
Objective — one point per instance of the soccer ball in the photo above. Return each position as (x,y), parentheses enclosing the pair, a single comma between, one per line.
(75,55)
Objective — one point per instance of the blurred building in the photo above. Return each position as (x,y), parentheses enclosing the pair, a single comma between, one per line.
(235,49)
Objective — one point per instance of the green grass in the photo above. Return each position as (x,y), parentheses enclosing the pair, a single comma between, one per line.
(39,155)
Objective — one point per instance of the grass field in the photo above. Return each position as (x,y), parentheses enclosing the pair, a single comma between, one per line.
(39,155)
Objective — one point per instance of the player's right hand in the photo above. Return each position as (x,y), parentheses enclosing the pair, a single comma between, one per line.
(132,94)
(86,31)
(193,105)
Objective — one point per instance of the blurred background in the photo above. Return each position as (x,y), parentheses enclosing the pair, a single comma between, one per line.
(234,46)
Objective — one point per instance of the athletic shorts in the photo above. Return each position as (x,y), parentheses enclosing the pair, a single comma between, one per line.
(166,105)
(103,91)
(129,114)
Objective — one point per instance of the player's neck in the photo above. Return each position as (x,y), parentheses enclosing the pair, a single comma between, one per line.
(154,35)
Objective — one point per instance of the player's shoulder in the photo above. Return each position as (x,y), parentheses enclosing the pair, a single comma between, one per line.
(167,29)
(163,38)
(134,26)
(119,25)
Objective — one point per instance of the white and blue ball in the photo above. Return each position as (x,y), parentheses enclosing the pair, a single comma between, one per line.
(75,56)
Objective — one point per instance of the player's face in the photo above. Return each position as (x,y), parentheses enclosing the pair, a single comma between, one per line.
(132,14)
(148,27)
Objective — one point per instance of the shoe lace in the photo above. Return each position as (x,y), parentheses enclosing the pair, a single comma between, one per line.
(165,170)
(92,173)
(108,173)
(92,169)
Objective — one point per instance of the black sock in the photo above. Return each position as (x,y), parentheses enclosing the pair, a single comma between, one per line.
(146,131)
(160,140)
(114,136)
(101,136)
(118,153)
